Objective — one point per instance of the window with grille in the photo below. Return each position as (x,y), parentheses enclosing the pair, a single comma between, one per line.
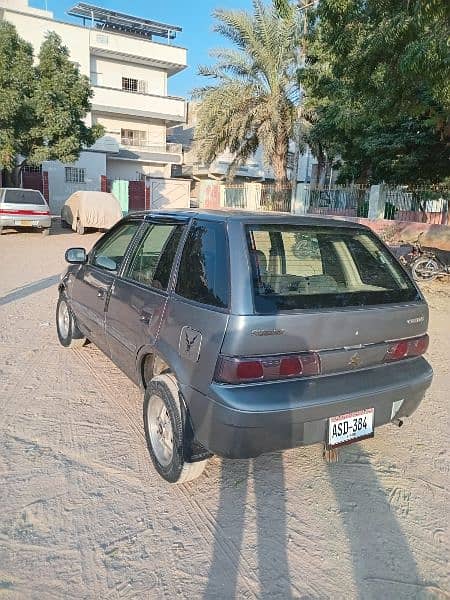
(133,137)
(134,85)
(75,175)
(32,169)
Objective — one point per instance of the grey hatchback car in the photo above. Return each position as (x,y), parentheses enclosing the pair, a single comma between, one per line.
(250,332)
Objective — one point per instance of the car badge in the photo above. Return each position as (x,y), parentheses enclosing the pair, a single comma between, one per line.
(190,343)
(355,360)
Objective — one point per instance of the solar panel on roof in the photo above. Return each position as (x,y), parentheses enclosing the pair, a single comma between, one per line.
(112,19)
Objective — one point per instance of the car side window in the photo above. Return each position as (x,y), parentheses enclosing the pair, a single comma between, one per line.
(152,263)
(110,252)
(203,275)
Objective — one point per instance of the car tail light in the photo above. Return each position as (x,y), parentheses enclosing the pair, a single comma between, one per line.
(6,211)
(266,368)
(407,348)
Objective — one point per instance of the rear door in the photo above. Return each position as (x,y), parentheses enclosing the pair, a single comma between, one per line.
(138,297)
(93,280)
(197,312)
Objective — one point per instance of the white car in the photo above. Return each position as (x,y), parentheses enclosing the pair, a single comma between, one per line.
(24,208)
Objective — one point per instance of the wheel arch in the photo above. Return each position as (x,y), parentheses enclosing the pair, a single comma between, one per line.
(150,363)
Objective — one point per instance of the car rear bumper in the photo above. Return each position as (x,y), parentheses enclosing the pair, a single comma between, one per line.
(43,222)
(248,420)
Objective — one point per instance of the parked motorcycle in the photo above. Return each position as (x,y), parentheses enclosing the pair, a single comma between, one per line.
(407,252)
(430,265)
(425,263)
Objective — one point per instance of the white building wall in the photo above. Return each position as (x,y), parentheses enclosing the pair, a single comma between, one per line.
(22,5)
(108,73)
(132,170)
(94,164)
(34,29)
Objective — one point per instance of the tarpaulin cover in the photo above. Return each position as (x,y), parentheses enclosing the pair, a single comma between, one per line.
(93,209)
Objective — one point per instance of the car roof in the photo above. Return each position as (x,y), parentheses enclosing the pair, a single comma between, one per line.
(246,216)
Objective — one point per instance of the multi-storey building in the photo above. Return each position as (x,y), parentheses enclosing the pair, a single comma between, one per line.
(129,61)
(253,170)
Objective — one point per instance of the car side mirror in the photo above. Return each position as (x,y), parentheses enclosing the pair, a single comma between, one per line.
(105,263)
(76,256)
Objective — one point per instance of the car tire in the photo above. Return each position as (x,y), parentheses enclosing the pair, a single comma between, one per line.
(164,431)
(65,224)
(1,230)
(80,228)
(68,333)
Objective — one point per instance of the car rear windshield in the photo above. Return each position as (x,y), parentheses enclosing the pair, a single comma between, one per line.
(23,197)
(295,267)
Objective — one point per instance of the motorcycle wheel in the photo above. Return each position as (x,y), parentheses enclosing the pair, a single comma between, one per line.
(425,268)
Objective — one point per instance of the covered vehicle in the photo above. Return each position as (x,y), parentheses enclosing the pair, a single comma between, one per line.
(24,208)
(83,209)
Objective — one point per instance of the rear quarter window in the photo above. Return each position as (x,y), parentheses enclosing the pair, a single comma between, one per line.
(203,275)
(295,267)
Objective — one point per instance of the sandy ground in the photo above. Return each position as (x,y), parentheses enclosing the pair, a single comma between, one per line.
(83,514)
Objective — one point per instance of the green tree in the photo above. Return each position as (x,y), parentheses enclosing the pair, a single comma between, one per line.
(45,105)
(16,88)
(253,101)
(378,84)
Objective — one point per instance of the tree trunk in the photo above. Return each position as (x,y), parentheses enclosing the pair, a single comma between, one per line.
(321,161)
(13,178)
(279,165)
(8,178)
(17,174)
(296,161)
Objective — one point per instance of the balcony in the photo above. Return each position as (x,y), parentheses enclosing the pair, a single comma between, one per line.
(120,102)
(169,147)
(219,169)
(129,149)
(170,58)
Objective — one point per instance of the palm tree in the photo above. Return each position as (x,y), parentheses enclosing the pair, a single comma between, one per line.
(253,99)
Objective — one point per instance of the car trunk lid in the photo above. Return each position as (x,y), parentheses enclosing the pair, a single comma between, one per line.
(345,339)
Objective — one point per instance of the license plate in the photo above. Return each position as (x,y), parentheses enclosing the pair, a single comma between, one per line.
(24,223)
(345,429)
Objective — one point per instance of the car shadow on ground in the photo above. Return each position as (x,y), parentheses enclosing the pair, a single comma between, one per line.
(28,289)
(382,561)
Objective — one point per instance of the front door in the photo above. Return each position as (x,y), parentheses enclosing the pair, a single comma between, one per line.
(138,297)
(93,280)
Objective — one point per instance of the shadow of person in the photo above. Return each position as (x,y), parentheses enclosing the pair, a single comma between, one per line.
(382,561)
(227,565)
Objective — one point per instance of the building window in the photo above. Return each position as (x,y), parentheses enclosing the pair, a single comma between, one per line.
(75,175)
(32,169)
(134,85)
(133,137)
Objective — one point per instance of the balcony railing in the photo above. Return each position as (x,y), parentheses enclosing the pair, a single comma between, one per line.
(113,100)
(157,148)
